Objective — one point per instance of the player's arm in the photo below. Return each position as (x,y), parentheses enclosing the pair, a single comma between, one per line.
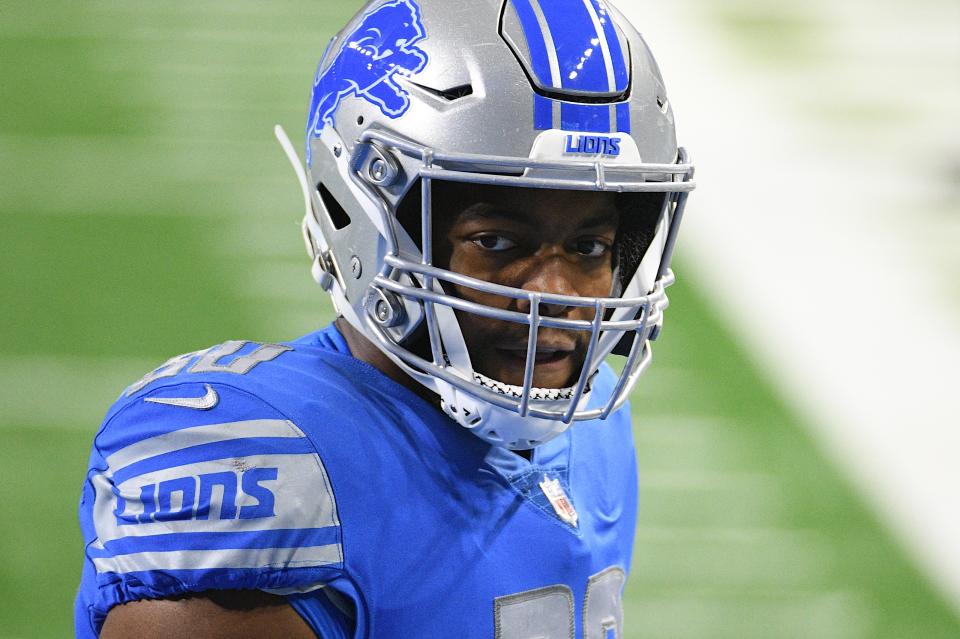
(216,615)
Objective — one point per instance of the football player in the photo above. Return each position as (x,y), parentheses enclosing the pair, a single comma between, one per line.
(492,190)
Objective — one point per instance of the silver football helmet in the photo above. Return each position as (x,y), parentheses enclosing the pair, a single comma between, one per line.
(549,94)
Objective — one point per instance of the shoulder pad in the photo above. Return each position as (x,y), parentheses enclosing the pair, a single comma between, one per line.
(201,485)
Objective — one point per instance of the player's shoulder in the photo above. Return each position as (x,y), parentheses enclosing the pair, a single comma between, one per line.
(236,378)
(225,433)
(201,478)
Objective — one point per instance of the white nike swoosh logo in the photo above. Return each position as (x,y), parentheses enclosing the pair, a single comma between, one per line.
(206,402)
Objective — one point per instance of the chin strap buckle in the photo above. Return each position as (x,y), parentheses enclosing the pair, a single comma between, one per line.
(321,275)
(321,268)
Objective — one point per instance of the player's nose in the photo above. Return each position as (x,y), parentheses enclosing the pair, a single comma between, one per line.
(551,276)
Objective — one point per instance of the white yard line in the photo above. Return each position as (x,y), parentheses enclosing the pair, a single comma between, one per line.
(817,247)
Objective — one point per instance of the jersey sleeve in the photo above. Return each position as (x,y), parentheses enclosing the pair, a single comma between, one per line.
(203,486)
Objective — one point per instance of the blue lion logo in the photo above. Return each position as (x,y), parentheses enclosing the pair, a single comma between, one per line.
(380,48)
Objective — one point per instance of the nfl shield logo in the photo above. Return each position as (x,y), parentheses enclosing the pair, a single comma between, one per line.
(559,500)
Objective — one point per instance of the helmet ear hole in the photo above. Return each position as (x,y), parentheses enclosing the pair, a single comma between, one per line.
(639,216)
(409,212)
(337,214)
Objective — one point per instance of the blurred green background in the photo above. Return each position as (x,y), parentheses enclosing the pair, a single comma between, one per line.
(148,211)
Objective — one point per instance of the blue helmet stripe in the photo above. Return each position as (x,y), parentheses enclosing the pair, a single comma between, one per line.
(617,57)
(623,117)
(588,118)
(542,112)
(573,45)
(579,54)
(536,41)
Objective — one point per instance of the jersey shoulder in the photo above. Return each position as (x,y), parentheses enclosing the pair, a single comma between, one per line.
(200,480)
(272,373)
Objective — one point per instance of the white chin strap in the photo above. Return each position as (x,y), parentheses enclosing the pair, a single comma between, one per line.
(536,394)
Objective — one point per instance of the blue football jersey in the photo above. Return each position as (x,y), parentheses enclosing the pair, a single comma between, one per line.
(299,470)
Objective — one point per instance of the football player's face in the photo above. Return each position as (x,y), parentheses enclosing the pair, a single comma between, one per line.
(532,239)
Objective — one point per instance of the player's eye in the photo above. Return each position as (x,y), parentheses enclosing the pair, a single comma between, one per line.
(592,247)
(494,242)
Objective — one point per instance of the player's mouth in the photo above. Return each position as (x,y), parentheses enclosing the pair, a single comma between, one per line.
(547,357)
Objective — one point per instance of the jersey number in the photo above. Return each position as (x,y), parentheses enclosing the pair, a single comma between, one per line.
(547,613)
(209,362)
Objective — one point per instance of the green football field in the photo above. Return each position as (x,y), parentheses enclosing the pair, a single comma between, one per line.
(147,211)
